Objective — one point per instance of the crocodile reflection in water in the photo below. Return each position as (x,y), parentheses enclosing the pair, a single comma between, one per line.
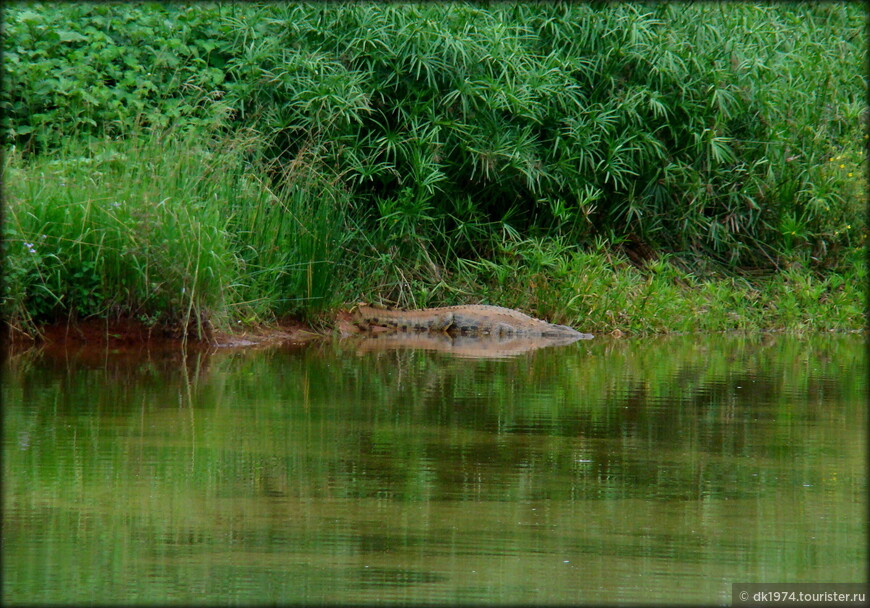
(482,347)
(470,330)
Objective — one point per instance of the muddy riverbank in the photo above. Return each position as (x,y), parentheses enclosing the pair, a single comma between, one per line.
(130,334)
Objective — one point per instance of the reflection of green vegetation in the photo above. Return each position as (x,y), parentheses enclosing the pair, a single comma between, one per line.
(173,474)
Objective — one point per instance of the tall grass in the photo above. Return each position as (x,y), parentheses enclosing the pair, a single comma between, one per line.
(128,229)
(171,232)
(697,129)
(289,233)
(602,291)
(429,153)
(163,229)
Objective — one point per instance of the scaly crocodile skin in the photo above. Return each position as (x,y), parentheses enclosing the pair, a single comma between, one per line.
(473,319)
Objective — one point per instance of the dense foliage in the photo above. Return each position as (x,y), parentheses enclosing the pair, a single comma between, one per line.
(424,140)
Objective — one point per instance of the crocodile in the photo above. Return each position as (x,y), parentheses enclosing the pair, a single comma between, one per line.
(464,320)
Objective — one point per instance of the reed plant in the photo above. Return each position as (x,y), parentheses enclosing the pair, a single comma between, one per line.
(165,230)
(700,129)
(125,228)
(589,162)
(289,233)
(708,129)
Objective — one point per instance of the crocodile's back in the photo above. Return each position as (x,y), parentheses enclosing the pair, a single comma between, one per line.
(430,319)
(499,321)
(467,320)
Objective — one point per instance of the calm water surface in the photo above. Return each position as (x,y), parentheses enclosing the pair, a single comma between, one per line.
(648,470)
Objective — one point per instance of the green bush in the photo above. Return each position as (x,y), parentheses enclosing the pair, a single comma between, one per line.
(701,128)
(698,129)
(400,150)
(104,68)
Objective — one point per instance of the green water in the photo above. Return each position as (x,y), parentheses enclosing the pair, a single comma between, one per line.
(645,470)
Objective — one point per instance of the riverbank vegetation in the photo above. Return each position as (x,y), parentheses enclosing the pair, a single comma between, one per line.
(632,167)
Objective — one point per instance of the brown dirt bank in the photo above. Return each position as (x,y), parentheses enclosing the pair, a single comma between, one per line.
(130,334)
